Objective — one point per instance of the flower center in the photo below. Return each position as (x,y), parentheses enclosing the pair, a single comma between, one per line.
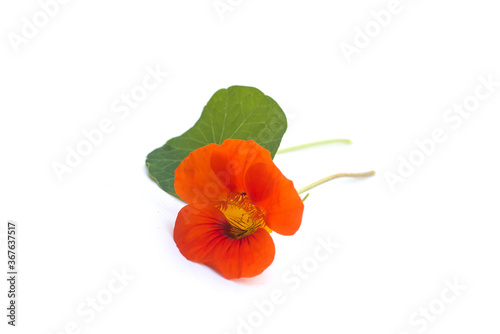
(243,217)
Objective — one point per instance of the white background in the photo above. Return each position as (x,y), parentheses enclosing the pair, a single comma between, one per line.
(397,246)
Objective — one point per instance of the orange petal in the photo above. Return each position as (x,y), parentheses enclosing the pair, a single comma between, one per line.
(196,182)
(200,237)
(269,189)
(231,160)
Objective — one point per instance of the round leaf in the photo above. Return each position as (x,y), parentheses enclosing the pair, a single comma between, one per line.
(237,112)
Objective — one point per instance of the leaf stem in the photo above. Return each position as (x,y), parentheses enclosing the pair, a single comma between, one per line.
(332,177)
(318,143)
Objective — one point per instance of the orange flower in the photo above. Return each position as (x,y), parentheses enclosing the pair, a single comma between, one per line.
(236,197)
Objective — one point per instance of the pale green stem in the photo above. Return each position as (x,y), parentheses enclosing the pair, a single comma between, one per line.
(318,143)
(332,177)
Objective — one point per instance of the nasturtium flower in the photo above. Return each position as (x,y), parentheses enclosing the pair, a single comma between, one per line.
(236,196)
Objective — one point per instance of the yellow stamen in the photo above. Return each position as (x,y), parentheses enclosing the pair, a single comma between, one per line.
(243,216)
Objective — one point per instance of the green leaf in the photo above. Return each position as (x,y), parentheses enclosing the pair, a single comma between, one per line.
(237,112)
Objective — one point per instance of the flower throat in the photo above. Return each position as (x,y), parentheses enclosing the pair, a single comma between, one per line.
(244,218)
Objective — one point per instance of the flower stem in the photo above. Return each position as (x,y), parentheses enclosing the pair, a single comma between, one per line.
(318,143)
(332,177)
